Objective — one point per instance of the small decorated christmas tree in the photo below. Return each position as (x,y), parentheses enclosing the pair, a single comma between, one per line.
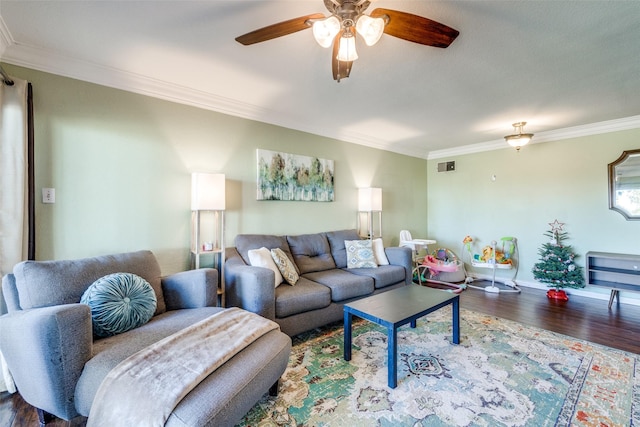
(557,267)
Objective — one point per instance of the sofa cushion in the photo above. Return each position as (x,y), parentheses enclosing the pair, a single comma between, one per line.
(303,297)
(382,276)
(360,254)
(311,252)
(336,243)
(119,302)
(343,284)
(245,242)
(262,258)
(286,267)
(68,279)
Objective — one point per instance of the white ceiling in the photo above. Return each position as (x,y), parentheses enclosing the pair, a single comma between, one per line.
(562,66)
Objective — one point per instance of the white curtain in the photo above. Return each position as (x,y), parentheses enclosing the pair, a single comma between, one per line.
(13,187)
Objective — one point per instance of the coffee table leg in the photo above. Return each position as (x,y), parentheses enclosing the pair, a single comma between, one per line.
(456,321)
(347,335)
(392,350)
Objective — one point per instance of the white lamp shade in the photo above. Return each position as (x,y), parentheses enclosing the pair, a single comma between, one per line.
(370,29)
(369,199)
(207,192)
(347,50)
(325,30)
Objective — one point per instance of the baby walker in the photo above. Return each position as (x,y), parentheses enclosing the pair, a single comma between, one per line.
(444,269)
(500,255)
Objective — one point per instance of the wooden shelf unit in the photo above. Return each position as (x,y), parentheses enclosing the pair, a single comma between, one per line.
(212,234)
(620,272)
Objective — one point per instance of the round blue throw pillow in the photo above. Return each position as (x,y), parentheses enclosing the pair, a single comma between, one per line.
(119,302)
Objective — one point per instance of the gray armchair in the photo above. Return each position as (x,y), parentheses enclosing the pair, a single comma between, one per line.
(58,365)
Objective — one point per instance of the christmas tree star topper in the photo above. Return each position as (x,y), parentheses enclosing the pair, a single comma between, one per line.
(556,226)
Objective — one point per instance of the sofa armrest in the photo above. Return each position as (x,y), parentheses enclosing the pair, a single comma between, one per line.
(10,293)
(191,289)
(46,350)
(251,288)
(401,256)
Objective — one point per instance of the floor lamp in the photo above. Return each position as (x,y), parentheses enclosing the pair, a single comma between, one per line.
(207,223)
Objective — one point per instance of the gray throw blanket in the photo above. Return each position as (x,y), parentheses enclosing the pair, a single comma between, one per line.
(144,389)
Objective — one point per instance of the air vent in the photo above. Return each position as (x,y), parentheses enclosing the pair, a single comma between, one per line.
(446,166)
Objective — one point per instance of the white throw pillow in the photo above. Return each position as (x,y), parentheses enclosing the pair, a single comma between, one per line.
(262,258)
(360,254)
(378,252)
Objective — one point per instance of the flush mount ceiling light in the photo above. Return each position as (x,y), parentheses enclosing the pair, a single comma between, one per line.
(346,19)
(519,139)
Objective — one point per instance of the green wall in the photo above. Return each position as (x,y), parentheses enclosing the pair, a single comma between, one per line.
(121,165)
(565,180)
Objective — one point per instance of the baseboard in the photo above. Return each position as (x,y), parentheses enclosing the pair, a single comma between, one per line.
(595,292)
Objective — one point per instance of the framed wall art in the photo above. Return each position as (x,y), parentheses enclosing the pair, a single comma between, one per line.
(283,176)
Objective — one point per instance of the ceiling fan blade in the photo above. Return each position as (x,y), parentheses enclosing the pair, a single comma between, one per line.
(278,30)
(416,29)
(341,69)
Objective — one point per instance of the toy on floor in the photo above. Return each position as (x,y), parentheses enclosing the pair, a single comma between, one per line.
(500,255)
(444,268)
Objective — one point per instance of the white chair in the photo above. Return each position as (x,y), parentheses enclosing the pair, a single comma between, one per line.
(417,246)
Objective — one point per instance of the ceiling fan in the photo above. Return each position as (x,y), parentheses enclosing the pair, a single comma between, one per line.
(348,18)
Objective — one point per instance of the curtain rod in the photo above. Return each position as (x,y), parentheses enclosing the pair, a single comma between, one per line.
(5,77)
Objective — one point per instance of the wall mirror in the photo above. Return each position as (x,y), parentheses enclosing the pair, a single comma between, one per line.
(624,185)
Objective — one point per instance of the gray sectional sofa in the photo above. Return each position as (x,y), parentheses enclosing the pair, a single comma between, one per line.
(58,365)
(325,283)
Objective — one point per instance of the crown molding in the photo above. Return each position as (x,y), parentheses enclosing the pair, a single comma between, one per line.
(44,60)
(5,37)
(608,126)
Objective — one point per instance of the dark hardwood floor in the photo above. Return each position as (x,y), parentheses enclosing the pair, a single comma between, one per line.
(580,317)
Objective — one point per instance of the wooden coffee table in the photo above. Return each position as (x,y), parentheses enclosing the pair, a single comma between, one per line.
(395,308)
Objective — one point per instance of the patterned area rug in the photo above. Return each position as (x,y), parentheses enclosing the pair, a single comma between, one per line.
(501,374)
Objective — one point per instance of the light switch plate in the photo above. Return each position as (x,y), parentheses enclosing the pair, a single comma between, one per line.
(48,195)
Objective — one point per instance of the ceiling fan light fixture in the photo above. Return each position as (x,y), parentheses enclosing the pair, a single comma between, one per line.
(520,138)
(347,21)
(370,29)
(324,30)
(347,50)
